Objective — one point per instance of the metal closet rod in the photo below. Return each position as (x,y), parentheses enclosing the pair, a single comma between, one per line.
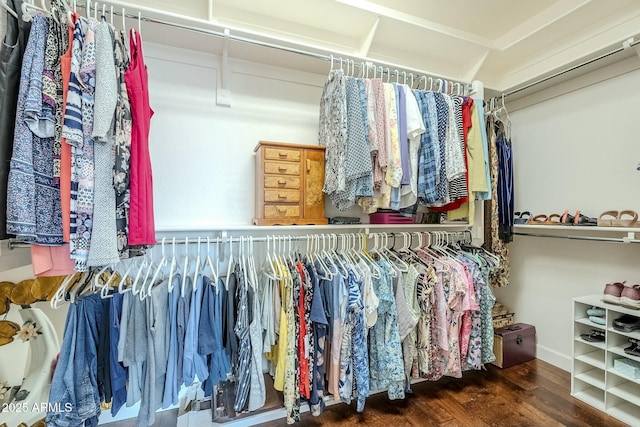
(625,46)
(323,57)
(592,238)
(14,244)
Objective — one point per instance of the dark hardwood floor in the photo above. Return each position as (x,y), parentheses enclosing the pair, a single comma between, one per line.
(533,394)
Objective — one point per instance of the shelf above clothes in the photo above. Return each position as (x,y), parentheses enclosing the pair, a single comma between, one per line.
(604,234)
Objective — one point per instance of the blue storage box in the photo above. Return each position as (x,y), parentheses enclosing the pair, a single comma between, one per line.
(628,367)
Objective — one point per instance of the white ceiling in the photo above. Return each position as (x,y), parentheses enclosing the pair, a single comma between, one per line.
(504,43)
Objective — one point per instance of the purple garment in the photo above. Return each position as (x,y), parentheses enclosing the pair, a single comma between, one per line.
(402,135)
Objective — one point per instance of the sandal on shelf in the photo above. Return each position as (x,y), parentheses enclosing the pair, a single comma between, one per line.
(584,220)
(538,220)
(566,219)
(553,219)
(630,221)
(606,218)
(594,336)
(521,217)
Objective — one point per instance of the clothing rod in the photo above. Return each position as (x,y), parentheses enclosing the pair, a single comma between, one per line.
(570,69)
(598,239)
(14,244)
(389,68)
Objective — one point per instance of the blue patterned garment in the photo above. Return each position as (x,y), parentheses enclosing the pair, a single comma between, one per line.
(354,360)
(72,124)
(474,354)
(385,349)
(427,171)
(359,169)
(84,164)
(33,198)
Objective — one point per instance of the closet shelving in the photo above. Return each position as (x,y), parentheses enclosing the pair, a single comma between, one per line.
(323,228)
(607,234)
(593,377)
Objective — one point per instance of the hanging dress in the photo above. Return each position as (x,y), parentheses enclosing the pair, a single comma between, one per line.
(11,53)
(33,201)
(141,219)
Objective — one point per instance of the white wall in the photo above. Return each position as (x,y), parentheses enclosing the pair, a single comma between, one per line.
(576,151)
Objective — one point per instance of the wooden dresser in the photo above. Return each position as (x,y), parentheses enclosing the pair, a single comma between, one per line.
(289,181)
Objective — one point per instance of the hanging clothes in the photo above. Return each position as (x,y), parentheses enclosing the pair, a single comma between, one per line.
(33,200)
(104,248)
(15,37)
(141,218)
(492,241)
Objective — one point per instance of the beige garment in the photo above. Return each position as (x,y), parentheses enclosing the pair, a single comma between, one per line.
(475,167)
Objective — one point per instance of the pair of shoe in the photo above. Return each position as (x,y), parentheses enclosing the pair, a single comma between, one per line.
(619,219)
(634,347)
(626,323)
(577,219)
(542,219)
(595,336)
(619,293)
(521,217)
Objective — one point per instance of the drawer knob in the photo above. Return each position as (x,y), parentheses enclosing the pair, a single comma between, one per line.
(281,210)
(282,168)
(283,155)
(282,196)
(282,182)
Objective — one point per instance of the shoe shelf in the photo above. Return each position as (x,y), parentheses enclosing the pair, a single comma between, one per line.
(610,234)
(594,380)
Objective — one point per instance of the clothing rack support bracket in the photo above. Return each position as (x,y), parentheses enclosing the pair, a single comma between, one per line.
(223,93)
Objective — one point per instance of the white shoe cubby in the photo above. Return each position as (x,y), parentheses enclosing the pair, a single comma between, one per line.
(593,377)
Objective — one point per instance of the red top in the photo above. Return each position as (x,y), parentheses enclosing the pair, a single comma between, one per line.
(141,220)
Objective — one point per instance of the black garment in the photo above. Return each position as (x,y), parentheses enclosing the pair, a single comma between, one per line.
(11,52)
(104,343)
(230,340)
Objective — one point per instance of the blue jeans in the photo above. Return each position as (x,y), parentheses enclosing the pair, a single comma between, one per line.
(74,382)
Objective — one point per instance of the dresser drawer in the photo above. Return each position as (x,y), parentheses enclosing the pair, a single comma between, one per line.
(282,168)
(281,211)
(282,182)
(282,154)
(282,196)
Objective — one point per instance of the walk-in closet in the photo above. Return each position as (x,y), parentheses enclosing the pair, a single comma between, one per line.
(324,212)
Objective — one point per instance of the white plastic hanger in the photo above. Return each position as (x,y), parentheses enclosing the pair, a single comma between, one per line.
(270,269)
(339,261)
(161,265)
(59,296)
(397,261)
(123,278)
(196,268)
(231,265)
(10,11)
(104,292)
(185,271)
(208,262)
(174,264)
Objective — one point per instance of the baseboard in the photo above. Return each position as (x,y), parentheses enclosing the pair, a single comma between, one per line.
(554,357)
